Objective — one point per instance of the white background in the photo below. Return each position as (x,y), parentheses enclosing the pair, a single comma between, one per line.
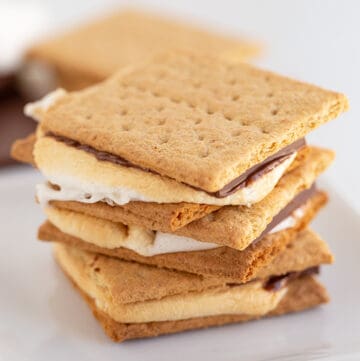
(42,318)
(313,40)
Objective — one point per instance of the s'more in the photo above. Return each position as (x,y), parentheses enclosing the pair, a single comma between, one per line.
(92,51)
(184,167)
(156,301)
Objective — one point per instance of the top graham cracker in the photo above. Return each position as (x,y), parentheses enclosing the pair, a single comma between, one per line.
(98,49)
(193,118)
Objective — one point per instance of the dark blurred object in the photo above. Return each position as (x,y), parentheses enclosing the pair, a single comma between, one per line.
(6,83)
(13,123)
(22,23)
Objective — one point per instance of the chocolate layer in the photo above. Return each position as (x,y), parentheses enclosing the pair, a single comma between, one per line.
(246,178)
(297,202)
(276,283)
(259,169)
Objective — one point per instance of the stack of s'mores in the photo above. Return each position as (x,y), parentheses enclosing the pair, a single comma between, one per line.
(178,193)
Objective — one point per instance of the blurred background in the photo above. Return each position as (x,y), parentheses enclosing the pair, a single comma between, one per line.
(312,40)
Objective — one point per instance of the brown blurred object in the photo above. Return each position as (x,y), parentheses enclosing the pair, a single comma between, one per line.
(13,123)
(94,51)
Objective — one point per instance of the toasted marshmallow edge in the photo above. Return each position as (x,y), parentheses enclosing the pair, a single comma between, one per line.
(247,299)
(144,186)
(37,109)
(111,235)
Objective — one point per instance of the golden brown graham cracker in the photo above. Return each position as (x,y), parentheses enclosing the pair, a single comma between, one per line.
(193,118)
(307,250)
(130,282)
(22,149)
(94,51)
(225,262)
(303,293)
(147,214)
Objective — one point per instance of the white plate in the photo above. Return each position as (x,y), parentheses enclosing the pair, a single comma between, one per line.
(43,318)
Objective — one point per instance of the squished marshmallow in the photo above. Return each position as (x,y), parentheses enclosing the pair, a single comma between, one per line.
(84,192)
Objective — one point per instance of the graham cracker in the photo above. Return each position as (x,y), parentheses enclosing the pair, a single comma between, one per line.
(193,118)
(169,216)
(235,266)
(129,282)
(22,149)
(303,293)
(94,51)
(306,251)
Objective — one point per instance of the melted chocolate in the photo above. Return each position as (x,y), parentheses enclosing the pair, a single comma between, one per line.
(246,178)
(276,283)
(297,202)
(259,169)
